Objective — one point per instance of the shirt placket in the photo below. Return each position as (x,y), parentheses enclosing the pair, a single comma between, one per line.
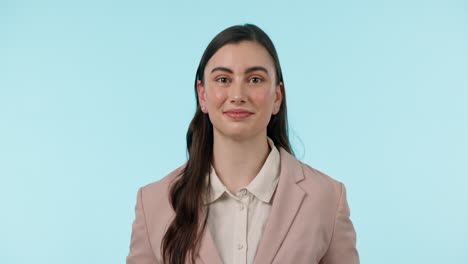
(240,237)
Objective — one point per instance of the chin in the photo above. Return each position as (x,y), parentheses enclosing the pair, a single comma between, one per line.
(234,132)
(238,134)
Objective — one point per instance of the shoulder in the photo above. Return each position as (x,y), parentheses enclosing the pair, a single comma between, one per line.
(322,190)
(318,185)
(324,194)
(155,195)
(308,178)
(154,211)
(316,177)
(161,186)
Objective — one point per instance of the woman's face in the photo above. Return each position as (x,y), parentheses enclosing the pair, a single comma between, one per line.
(240,77)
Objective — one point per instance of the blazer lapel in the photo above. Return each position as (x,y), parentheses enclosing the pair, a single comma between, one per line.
(286,202)
(208,252)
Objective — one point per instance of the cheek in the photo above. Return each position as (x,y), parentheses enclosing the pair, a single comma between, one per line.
(262,98)
(216,96)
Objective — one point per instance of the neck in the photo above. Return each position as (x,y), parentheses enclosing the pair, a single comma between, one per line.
(238,161)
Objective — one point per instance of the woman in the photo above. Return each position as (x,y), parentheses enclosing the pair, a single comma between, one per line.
(242,197)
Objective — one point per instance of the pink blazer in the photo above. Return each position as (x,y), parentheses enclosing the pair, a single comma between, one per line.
(308,223)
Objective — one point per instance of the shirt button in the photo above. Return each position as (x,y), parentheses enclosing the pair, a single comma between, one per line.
(243,191)
(240,246)
(241,207)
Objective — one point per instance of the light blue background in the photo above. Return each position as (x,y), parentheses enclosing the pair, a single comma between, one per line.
(96,98)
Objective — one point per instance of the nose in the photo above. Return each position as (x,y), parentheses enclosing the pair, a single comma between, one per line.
(237,93)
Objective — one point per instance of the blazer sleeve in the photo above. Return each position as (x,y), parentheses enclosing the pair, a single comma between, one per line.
(141,251)
(342,248)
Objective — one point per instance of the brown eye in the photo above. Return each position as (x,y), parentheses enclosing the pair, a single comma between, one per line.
(222,80)
(256,80)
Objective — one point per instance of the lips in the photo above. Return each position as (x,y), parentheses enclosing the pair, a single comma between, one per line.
(238,114)
(238,111)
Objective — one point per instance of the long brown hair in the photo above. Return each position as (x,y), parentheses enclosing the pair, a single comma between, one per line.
(186,194)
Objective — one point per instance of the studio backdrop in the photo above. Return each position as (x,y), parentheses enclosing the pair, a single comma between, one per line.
(96,98)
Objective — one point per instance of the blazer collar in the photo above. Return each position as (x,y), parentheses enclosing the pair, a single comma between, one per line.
(287,200)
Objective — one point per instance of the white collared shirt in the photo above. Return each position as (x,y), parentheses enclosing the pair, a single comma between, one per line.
(236,222)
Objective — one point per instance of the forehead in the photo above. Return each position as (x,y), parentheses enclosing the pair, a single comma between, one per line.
(238,56)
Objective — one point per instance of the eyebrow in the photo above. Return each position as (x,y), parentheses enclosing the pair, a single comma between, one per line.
(248,70)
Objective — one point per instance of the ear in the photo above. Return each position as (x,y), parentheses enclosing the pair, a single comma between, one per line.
(278,98)
(201,94)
